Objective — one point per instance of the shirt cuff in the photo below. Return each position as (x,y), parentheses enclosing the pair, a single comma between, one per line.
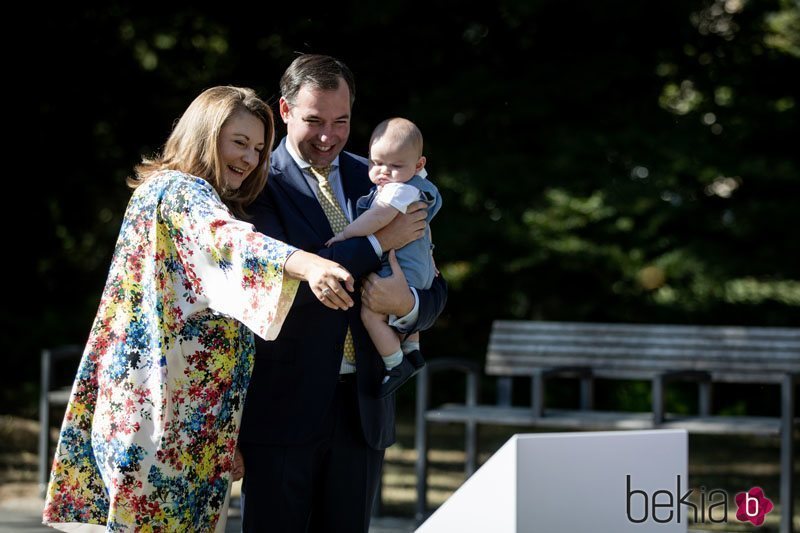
(406,323)
(375,245)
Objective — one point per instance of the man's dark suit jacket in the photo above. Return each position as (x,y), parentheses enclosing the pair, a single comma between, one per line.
(295,376)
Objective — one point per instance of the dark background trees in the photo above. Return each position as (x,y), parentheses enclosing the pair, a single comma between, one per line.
(599,161)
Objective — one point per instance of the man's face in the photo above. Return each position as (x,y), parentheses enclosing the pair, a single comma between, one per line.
(318,123)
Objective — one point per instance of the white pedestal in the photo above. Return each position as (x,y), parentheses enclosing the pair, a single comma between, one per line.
(575,483)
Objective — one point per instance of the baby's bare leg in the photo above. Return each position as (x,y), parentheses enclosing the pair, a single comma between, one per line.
(410,343)
(410,347)
(382,335)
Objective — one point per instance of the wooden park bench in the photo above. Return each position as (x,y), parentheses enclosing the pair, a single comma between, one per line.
(57,375)
(585,352)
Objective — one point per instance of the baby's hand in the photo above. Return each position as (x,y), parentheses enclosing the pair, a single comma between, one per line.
(336,238)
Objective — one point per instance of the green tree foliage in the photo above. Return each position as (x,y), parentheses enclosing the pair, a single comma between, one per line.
(600,161)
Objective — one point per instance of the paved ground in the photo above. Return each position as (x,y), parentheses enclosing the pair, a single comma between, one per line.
(21,515)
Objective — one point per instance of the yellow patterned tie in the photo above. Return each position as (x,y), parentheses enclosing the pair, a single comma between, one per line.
(338,221)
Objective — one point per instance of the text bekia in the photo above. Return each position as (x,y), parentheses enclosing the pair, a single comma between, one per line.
(663,506)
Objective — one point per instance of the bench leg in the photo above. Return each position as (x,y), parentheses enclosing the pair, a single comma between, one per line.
(537,394)
(422,474)
(421,444)
(471,427)
(44,423)
(787,454)
(505,389)
(658,400)
(704,398)
(587,393)
(471,447)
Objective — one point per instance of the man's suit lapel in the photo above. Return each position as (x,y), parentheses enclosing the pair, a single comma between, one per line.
(288,176)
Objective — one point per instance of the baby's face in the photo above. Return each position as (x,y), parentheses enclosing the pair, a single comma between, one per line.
(392,162)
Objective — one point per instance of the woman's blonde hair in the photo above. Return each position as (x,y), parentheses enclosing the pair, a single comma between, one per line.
(192,147)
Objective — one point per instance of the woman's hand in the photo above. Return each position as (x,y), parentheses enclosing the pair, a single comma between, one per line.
(324,277)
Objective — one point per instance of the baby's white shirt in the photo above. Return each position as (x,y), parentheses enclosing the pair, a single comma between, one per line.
(397,195)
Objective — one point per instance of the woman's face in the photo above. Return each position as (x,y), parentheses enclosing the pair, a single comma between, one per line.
(240,143)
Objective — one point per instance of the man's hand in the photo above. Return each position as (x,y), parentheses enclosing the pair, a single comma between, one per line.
(238,465)
(404,228)
(388,296)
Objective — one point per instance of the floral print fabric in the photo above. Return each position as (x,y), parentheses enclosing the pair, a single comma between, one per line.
(149,434)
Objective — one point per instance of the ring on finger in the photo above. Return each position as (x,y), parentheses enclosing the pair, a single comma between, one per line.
(326,292)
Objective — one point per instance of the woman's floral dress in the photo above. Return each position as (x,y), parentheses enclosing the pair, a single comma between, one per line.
(148,438)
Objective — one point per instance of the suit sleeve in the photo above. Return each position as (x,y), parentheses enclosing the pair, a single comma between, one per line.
(356,255)
(265,217)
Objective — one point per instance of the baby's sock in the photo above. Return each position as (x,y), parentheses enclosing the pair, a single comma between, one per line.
(393,360)
(410,346)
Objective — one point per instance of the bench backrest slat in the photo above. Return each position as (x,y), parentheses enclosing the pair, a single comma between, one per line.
(728,352)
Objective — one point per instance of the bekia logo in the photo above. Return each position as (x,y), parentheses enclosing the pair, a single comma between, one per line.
(663,506)
(752,506)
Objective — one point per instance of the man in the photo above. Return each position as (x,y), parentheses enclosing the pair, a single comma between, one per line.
(314,430)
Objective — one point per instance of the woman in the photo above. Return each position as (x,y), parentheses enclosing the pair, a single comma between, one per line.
(150,431)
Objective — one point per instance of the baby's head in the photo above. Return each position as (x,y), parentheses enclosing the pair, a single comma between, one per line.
(395,152)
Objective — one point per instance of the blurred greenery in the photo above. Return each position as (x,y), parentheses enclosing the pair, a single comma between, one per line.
(599,161)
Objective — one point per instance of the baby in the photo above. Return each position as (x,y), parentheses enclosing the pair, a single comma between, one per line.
(396,167)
